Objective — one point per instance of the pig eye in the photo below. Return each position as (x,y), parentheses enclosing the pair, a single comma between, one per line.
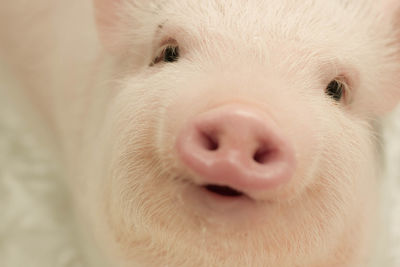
(336,90)
(168,54)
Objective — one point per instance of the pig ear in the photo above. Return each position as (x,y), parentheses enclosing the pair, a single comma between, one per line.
(107,20)
(390,97)
(393,8)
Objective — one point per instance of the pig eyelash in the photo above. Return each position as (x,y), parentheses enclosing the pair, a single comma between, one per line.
(169,53)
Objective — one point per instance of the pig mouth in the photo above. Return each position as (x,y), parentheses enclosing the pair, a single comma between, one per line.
(224,191)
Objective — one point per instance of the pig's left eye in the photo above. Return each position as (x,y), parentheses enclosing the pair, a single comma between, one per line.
(169,53)
(336,90)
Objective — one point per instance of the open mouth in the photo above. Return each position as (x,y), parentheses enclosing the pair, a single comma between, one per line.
(221,203)
(224,191)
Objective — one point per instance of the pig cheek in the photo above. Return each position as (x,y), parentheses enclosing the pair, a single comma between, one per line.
(140,194)
(304,129)
(349,172)
(341,191)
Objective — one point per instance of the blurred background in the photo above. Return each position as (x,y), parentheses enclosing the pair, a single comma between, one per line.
(36,220)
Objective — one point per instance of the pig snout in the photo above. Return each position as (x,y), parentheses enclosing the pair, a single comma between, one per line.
(236,148)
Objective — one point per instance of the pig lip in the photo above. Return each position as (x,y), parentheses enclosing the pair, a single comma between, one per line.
(222,204)
(223,191)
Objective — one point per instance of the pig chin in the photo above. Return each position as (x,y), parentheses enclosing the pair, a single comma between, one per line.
(178,221)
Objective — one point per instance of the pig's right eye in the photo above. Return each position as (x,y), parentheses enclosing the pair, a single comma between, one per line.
(168,54)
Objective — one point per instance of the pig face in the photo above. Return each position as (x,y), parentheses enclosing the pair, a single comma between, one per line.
(240,133)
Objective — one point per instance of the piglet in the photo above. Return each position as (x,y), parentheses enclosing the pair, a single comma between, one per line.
(215,132)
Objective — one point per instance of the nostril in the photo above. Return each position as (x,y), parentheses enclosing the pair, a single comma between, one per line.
(263,155)
(209,141)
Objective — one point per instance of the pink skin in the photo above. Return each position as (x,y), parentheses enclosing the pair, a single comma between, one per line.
(237,146)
